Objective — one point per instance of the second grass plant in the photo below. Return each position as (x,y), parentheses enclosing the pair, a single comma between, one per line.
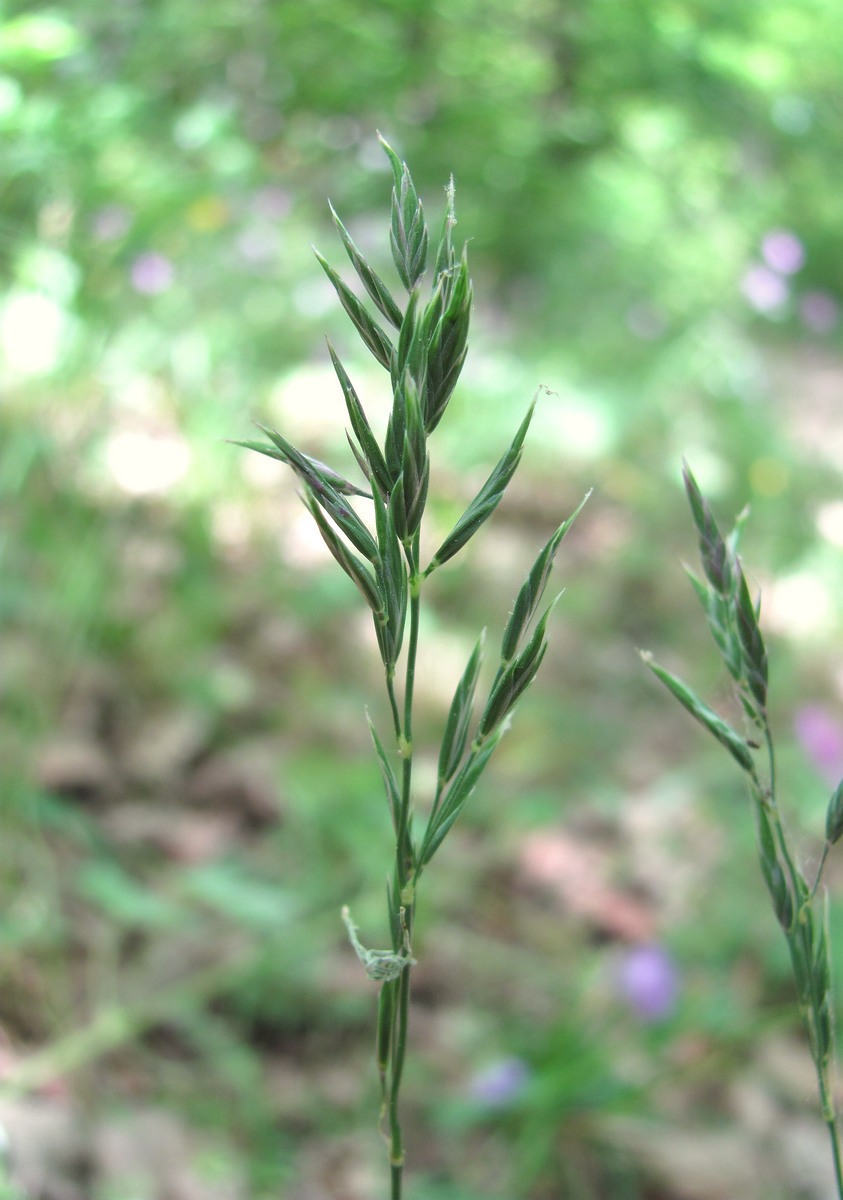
(421,340)
(800,907)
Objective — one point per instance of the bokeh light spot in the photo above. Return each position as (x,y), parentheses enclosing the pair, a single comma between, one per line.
(145,464)
(768,476)
(32,330)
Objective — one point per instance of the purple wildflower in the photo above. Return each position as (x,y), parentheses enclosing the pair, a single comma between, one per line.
(783,252)
(152,274)
(500,1083)
(821,737)
(763,289)
(648,981)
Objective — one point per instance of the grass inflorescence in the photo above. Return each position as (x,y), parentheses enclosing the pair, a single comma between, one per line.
(800,907)
(421,341)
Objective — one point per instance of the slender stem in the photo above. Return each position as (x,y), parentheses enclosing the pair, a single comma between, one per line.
(399,989)
(393,704)
(404,850)
(412,648)
(830,1118)
(820,869)
(385,1029)
(797,880)
(831,1124)
(397,1180)
(399,1048)
(825,1084)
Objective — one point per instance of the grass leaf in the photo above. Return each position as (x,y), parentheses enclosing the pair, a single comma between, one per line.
(354,567)
(486,500)
(455,737)
(362,429)
(732,741)
(532,589)
(370,332)
(390,783)
(330,500)
(454,800)
(374,285)
(715,554)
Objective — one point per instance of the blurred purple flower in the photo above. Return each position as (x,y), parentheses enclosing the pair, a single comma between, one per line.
(500,1082)
(152,273)
(648,981)
(821,737)
(819,311)
(111,222)
(783,251)
(763,289)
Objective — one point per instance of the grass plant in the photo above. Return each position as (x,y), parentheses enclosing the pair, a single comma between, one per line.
(800,906)
(421,341)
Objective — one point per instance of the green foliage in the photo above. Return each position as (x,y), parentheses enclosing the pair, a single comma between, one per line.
(123,900)
(227,888)
(615,147)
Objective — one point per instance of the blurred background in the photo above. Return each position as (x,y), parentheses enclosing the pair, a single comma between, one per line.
(603,1006)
